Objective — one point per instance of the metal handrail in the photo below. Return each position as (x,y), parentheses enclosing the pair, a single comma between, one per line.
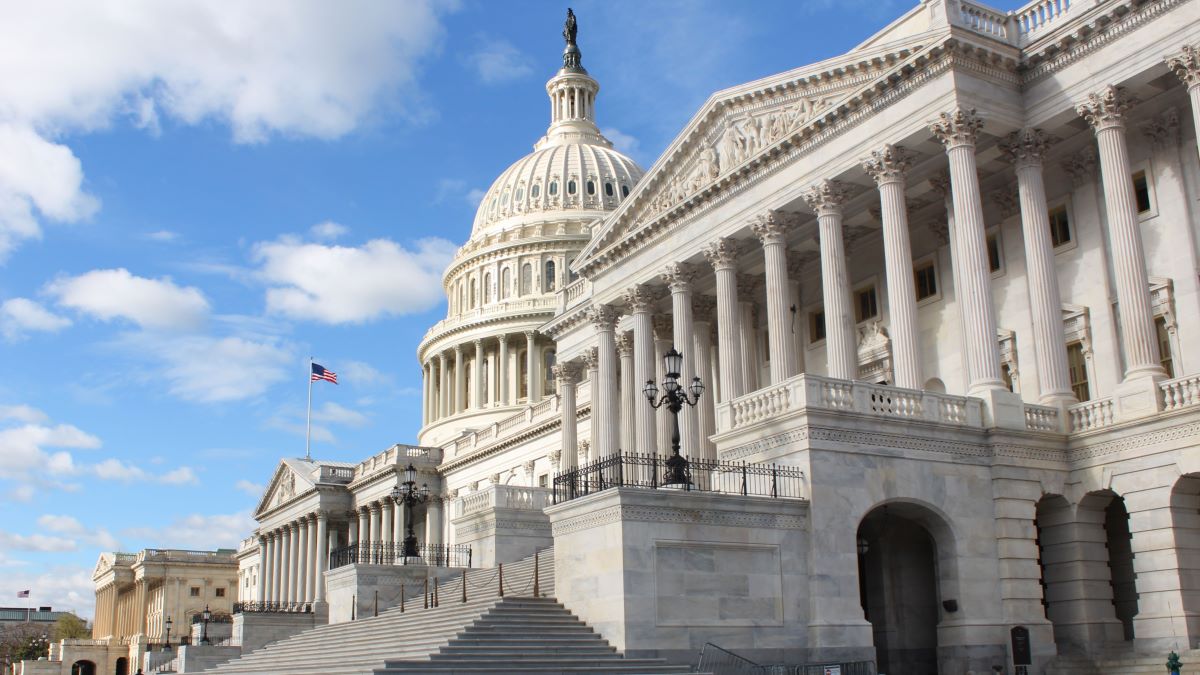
(392,553)
(272,607)
(648,471)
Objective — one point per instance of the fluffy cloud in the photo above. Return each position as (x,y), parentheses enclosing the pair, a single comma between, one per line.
(199,532)
(253,489)
(361,374)
(150,303)
(115,469)
(67,525)
(498,61)
(36,542)
(25,450)
(339,284)
(181,476)
(622,142)
(328,230)
(210,369)
(290,67)
(22,413)
(336,414)
(20,316)
(62,587)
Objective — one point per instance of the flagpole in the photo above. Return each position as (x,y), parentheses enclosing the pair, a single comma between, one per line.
(308,423)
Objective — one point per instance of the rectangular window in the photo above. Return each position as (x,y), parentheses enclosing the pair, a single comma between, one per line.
(194,591)
(926,281)
(1141,191)
(816,326)
(1077,369)
(1060,226)
(993,250)
(220,592)
(866,305)
(1006,375)
(544,480)
(1164,345)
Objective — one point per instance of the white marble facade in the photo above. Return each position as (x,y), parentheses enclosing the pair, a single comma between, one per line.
(951,275)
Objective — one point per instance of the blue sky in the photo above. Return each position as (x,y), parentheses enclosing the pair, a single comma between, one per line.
(195,197)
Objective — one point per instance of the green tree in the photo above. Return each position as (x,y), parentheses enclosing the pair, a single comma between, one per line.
(70,626)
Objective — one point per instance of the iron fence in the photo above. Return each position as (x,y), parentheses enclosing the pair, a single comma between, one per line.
(718,661)
(388,553)
(271,607)
(647,471)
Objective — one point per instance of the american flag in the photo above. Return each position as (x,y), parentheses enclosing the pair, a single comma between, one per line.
(319,373)
(22,594)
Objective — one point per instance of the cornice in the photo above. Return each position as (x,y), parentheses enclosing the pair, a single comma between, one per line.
(527,320)
(582,412)
(560,324)
(513,249)
(622,513)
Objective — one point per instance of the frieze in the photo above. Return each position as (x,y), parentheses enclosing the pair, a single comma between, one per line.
(668,514)
(1118,445)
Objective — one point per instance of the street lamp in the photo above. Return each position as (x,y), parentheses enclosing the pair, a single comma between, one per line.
(674,397)
(207,616)
(167,623)
(408,495)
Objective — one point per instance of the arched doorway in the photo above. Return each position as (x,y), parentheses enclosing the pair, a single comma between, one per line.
(122,666)
(905,564)
(83,667)
(1185,520)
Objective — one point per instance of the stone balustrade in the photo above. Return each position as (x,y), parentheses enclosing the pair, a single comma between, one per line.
(1091,415)
(497,309)
(1019,27)
(504,497)
(808,391)
(1180,393)
(1041,418)
(573,293)
(397,454)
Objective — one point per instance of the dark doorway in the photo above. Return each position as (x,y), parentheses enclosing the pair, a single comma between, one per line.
(83,668)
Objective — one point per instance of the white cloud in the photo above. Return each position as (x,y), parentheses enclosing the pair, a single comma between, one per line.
(623,142)
(115,293)
(163,236)
(62,587)
(252,489)
(22,413)
(24,450)
(328,230)
(115,469)
(361,374)
(455,188)
(475,196)
(498,61)
(68,525)
(198,531)
(335,414)
(213,369)
(36,542)
(184,475)
(338,284)
(19,316)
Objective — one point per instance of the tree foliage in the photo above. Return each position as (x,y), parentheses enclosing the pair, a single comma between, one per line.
(70,626)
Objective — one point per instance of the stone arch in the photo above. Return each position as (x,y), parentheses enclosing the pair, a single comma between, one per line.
(935,385)
(122,666)
(1185,524)
(505,283)
(83,667)
(908,582)
(526,279)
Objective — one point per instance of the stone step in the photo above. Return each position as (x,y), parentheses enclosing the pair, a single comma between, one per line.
(594,669)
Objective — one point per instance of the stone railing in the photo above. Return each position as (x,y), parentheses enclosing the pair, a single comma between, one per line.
(1091,415)
(983,19)
(541,411)
(815,392)
(1182,392)
(397,454)
(504,497)
(1019,27)
(1032,18)
(573,293)
(538,304)
(223,556)
(336,474)
(1041,418)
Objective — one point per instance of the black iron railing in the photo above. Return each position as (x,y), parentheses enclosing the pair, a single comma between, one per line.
(215,618)
(268,607)
(718,661)
(384,553)
(648,471)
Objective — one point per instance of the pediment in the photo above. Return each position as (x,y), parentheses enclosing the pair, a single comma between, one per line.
(737,126)
(287,482)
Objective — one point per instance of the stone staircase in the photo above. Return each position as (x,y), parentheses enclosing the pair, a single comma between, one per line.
(517,633)
(1122,665)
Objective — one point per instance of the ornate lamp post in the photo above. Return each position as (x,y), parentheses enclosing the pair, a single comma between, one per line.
(167,623)
(408,495)
(207,616)
(674,397)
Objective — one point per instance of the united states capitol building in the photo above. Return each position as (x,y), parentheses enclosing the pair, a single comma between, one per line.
(942,298)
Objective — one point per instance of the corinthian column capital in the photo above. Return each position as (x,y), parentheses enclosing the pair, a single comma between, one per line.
(771,227)
(888,164)
(639,299)
(1186,65)
(1106,108)
(625,344)
(826,197)
(678,277)
(722,253)
(567,372)
(1026,147)
(603,317)
(956,128)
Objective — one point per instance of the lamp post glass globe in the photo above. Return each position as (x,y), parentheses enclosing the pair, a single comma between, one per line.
(408,495)
(207,616)
(674,397)
(167,623)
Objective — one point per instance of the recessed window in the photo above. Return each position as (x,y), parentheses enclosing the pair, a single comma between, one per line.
(1141,191)
(553,188)
(194,591)
(608,189)
(1006,376)
(1060,226)
(535,191)
(520,194)
(993,251)
(866,305)
(591,187)
(1077,370)
(1164,345)
(571,187)
(544,480)
(550,275)
(624,190)
(504,200)
(220,592)
(925,277)
(816,325)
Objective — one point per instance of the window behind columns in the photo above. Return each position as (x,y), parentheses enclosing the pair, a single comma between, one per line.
(925,277)
(816,325)
(1141,192)
(1077,370)
(550,275)
(550,386)
(523,376)
(1060,226)
(866,304)
(505,283)
(1164,345)
(526,279)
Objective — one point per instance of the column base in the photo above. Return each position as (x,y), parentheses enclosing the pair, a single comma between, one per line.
(1001,408)
(1138,395)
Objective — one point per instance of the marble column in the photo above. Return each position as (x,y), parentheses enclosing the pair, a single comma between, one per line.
(888,166)
(957,131)
(502,370)
(322,555)
(301,560)
(664,337)
(749,290)
(705,307)
(424,393)
(796,265)
(771,229)
(533,368)
(397,524)
(260,593)
(629,394)
(285,564)
(443,387)
(364,533)
(567,374)
(387,527)
(433,521)
(375,536)
(1105,112)
(679,277)
(591,359)
(640,302)
(310,570)
(277,593)
(480,394)
(352,528)
(295,567)
(460,382)
(722,255)
(1025,149)
(826,198)
(1186,65)
(607,410)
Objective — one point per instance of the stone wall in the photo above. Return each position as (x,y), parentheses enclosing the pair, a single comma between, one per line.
(362,591)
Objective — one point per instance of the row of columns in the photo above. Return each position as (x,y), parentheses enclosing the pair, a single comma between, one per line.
(447,390)
(294,559)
